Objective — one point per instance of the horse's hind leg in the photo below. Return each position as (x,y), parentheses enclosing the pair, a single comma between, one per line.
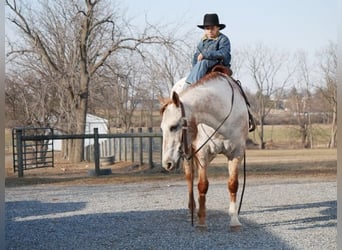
(189,173)
(233,183)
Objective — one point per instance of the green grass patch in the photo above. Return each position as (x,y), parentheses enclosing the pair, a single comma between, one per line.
(290,134)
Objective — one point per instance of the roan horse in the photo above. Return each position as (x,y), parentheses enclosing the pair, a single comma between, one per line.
(213,102)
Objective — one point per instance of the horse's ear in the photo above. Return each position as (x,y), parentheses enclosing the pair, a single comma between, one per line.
(175,99)
(161,100)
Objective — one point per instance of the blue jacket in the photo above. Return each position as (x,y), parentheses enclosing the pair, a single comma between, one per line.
(217,49)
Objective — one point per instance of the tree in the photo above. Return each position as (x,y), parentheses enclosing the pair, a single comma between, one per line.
(301,100)
(73,40)
(328,68)
(270,71)
(32,101)
(298,103)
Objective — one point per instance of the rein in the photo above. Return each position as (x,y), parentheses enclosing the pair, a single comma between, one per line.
(244,181)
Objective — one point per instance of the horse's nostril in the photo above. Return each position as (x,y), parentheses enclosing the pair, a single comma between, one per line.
(169,166)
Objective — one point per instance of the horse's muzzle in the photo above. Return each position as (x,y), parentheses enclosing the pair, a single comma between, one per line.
(169,166)
(172,165)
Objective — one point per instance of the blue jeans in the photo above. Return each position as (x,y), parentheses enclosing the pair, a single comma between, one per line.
(200,69)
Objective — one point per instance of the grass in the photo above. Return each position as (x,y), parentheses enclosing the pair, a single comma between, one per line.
(290,135)
(281,135)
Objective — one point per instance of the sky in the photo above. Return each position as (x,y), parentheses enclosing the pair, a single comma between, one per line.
(283,24)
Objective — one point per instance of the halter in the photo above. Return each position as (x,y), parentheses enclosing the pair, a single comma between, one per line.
(185,154)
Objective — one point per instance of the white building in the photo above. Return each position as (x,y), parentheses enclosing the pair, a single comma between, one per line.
(92,121)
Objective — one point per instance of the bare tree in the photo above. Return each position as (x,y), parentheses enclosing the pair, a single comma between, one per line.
(270,70)
(71,41)
(32,101)
(328,67)
(298,102)
(135,86)
(301,98)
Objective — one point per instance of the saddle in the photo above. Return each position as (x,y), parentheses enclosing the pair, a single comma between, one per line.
(221,68)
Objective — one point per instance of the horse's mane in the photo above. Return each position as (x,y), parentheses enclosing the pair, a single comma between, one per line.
(205,79)
(208,77)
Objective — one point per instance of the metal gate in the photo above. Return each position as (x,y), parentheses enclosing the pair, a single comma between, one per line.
(31,154)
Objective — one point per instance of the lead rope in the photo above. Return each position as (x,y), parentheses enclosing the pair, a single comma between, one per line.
(244,181)
(189,159)
(192,188)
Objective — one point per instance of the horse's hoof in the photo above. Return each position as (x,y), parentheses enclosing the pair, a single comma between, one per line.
(236,228)
(202,227)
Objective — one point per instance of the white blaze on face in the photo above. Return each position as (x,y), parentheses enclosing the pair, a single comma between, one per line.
(172,136)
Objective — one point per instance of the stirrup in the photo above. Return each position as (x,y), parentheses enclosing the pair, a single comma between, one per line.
(252,126)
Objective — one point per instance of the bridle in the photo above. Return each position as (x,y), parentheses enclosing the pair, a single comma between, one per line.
(187,154)
(185,150)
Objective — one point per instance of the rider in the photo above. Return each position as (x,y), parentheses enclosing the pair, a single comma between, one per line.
(213,49)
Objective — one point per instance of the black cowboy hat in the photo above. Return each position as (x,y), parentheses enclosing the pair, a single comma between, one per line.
(211,20)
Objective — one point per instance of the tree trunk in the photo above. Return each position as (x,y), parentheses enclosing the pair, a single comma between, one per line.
(332,143)
(261,134)
(304,134)
(81,116)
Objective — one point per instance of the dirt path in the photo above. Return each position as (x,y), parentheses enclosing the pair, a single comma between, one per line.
(267,164)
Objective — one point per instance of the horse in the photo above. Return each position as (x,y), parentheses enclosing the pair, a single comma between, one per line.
(188,118)
(207,144)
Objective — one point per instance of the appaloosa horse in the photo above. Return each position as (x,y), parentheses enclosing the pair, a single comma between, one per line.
(213,102)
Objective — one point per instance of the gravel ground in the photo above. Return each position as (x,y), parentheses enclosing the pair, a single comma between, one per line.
(294,214)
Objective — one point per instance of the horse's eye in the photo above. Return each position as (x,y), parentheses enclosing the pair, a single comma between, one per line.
(174,128)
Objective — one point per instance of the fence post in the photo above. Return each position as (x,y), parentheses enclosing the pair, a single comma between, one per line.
(120,146)
(125,148)
(161,150)
(150,152)
(96,151)
(132,146)
(20,152)
(140,148)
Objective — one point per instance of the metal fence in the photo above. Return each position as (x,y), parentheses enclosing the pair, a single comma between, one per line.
(31,154)
(134,147)
(141,147)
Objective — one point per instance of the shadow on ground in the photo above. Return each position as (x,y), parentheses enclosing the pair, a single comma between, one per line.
(66,225)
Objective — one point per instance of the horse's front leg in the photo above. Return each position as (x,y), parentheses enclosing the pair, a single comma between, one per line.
(233,183)
(203,185)
(189,173)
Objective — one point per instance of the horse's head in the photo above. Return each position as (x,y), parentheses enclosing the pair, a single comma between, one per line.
(171,125)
